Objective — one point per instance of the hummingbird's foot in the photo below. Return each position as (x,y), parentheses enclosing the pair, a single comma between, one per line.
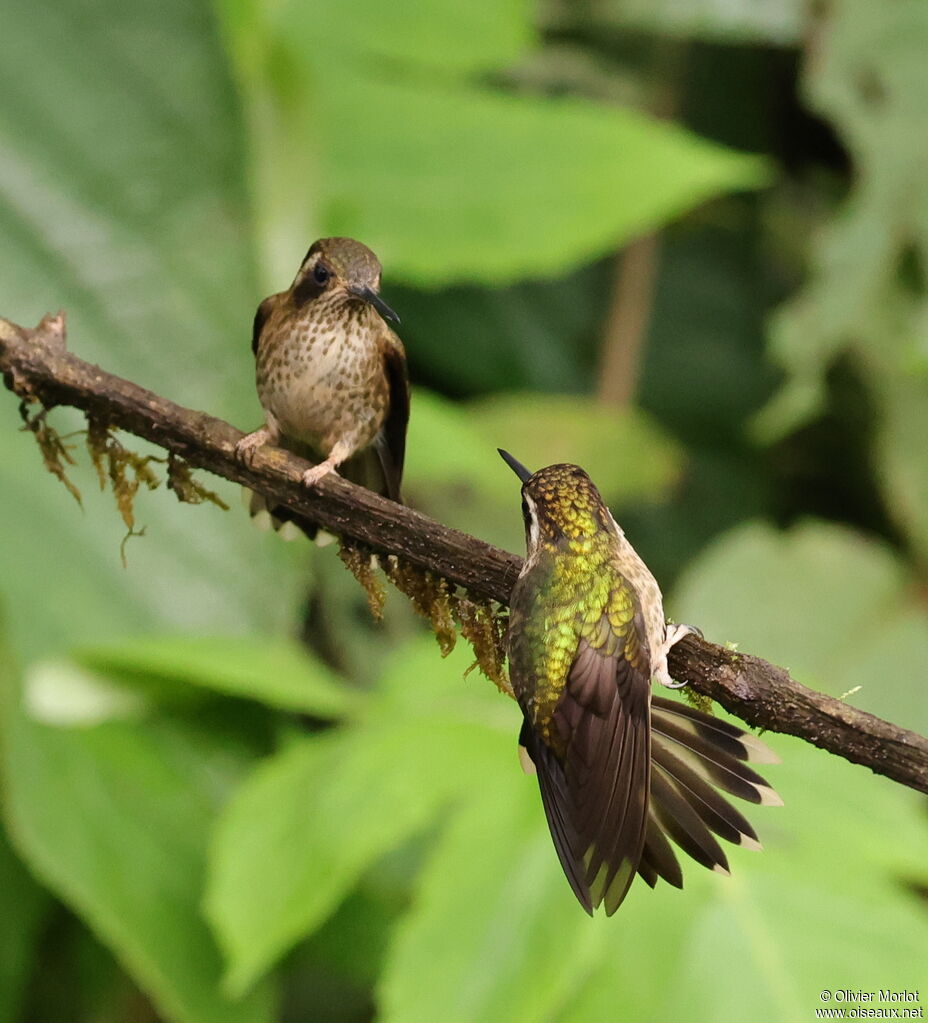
(676,632)
(312,476)
(673,635)
(247,447)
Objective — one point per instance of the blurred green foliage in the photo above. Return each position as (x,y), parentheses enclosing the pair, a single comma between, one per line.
(206,820)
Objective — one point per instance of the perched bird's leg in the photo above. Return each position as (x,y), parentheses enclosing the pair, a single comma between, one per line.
(245,449)
(672,636)
(339,453)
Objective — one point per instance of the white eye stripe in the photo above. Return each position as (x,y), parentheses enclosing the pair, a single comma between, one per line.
(534,531)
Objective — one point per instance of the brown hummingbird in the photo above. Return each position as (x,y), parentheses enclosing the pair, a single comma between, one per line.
(331,374)
(620,772)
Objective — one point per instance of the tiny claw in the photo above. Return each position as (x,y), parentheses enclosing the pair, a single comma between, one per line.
(676,632)
(312,476)
(247,447)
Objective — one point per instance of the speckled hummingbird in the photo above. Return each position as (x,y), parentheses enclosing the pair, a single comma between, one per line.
(620,772)
(331,374)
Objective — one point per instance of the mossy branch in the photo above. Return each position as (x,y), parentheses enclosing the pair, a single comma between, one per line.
(37,367)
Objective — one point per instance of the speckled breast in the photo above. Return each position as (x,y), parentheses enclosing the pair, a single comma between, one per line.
(323,384)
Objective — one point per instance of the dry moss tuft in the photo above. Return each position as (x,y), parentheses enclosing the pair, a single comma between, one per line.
(360,562)
(189,490)
(54,451)
(480,624)
(125,470)
(485,630)
(429,595)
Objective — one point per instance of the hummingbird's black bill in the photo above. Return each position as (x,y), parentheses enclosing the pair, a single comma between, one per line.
(517,467)
(371,296)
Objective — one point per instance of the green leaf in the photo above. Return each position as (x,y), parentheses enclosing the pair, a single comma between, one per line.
(276,672)
(436,34)
(124,203)
(300,832)
(478,185)
(114,819)
(493,918)
(446,179)
(868,81)
(837,611)
(644,951)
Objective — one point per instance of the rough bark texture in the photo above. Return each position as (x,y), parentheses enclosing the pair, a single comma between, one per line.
(37,366)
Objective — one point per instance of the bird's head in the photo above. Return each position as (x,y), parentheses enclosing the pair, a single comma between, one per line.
(344,270)
(560,504)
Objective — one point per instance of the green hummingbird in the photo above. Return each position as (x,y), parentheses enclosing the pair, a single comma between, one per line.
(620,772)
(331,374)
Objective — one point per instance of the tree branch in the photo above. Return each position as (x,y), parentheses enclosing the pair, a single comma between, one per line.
(37,367)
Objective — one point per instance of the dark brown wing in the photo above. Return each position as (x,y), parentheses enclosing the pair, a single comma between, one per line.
(261,315)
(594,772)
(693,756)
(390,444)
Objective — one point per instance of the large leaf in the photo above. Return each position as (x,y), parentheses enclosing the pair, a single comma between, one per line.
(452,38)
(833,607)
(487,186)
(493,918)
(298,835)
(278,673)
(122,201)
(114,819)
(449,180)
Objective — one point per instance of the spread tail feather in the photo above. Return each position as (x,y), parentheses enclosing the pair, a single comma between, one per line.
(693,756)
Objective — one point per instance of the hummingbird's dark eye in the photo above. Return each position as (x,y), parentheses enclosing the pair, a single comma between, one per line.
(321,274)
